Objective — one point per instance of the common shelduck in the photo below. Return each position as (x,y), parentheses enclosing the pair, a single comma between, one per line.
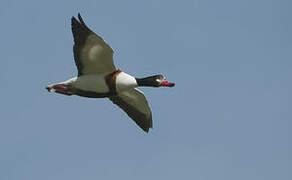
(98,77)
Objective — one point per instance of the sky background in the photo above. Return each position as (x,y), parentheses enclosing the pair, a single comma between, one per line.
(229,116)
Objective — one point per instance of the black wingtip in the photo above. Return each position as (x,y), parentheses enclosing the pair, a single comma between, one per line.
(73,20)
(146,129)
(80,19)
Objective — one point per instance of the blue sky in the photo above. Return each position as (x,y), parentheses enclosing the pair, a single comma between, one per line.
(229,116)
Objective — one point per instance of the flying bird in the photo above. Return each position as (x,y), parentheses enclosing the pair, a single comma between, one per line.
(98,77)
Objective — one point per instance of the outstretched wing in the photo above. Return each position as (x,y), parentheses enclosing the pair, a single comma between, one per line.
(92,55)
(134,103)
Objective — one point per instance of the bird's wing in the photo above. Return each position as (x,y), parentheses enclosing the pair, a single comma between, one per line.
(92,55)
(134,103)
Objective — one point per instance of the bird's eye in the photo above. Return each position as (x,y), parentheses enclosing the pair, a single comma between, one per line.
(159,80)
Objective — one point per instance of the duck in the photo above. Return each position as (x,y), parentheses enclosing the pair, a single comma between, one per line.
(99,78)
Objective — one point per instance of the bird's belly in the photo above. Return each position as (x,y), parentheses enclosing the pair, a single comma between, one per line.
(92,83)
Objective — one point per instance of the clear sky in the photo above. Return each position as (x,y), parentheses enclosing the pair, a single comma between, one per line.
(228,118)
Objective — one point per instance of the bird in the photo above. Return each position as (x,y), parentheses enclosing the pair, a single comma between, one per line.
(99,78)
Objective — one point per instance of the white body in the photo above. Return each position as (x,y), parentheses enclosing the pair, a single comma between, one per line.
(125,81)
(96,82)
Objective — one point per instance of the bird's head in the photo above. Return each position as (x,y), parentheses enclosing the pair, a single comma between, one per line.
(154,81)
(161,81)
